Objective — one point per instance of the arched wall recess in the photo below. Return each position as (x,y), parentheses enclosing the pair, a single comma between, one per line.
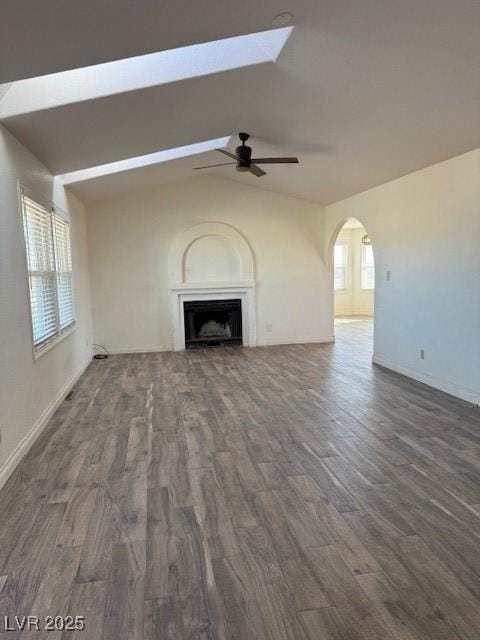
(211,258)
(187,239)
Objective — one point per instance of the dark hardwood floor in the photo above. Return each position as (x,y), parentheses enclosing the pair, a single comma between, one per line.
(291,492)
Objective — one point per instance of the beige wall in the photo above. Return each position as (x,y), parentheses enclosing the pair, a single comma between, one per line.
(353,301)
(425,229)
(30,389)
(130,239)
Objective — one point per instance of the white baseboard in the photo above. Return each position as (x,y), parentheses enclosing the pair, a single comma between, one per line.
(260,343)
(26,443)
(470,395)
(150,349)
(301,340)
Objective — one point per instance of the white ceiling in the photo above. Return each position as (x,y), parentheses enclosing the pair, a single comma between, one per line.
(363,92)
(40,37)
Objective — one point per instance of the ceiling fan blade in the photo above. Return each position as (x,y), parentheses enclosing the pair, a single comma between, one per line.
(275,160)
(227,153)
(209,166)
(256,171)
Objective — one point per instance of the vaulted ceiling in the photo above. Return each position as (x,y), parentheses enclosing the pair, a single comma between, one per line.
(363,91)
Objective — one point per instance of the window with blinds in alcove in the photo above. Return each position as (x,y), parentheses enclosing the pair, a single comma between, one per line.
(49,260)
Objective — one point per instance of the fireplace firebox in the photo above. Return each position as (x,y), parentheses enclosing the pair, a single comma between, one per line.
(212,323)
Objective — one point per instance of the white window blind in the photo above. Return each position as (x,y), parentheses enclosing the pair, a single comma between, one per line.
(367,268)
(47,242)
(340,267)
(63,263)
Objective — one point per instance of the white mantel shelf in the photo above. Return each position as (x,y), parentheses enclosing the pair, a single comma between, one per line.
(211,286)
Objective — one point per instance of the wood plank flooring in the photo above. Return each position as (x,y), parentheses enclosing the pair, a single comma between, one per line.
(278,493)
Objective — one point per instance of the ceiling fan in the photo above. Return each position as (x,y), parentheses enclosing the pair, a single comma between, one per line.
(245,162)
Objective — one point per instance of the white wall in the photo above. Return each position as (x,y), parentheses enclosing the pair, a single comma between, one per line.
(130,238)
(28,388)
(353,301)
(425,229)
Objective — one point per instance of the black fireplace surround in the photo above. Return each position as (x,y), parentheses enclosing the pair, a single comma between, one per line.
(213,323)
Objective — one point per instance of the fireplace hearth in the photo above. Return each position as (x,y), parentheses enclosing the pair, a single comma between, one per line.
(212,323)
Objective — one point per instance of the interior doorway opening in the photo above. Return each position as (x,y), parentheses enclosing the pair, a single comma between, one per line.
(353,282)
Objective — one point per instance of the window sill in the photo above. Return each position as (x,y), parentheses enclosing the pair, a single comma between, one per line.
(40,352)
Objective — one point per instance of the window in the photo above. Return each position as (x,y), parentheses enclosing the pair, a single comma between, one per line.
(340,267)
(49,260)
(367,267)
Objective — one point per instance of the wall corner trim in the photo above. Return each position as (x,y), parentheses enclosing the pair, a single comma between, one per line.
(464,393)
(27,441)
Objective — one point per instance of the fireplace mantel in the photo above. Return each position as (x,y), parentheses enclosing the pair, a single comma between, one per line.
(186,292)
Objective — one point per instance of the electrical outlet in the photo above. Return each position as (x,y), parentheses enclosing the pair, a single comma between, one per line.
(422,354)
(269,328)
(388,275)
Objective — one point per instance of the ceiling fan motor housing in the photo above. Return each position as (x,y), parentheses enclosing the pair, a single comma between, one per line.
(243,154)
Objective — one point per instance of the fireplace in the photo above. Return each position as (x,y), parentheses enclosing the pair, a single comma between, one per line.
(213,323)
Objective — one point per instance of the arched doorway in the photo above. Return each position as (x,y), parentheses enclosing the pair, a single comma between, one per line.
(353,266)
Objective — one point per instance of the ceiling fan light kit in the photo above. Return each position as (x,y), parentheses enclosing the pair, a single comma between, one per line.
(244,161)
(282,19)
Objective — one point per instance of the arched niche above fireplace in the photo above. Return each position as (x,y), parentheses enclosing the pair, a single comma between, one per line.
(212,258)
(211,252)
